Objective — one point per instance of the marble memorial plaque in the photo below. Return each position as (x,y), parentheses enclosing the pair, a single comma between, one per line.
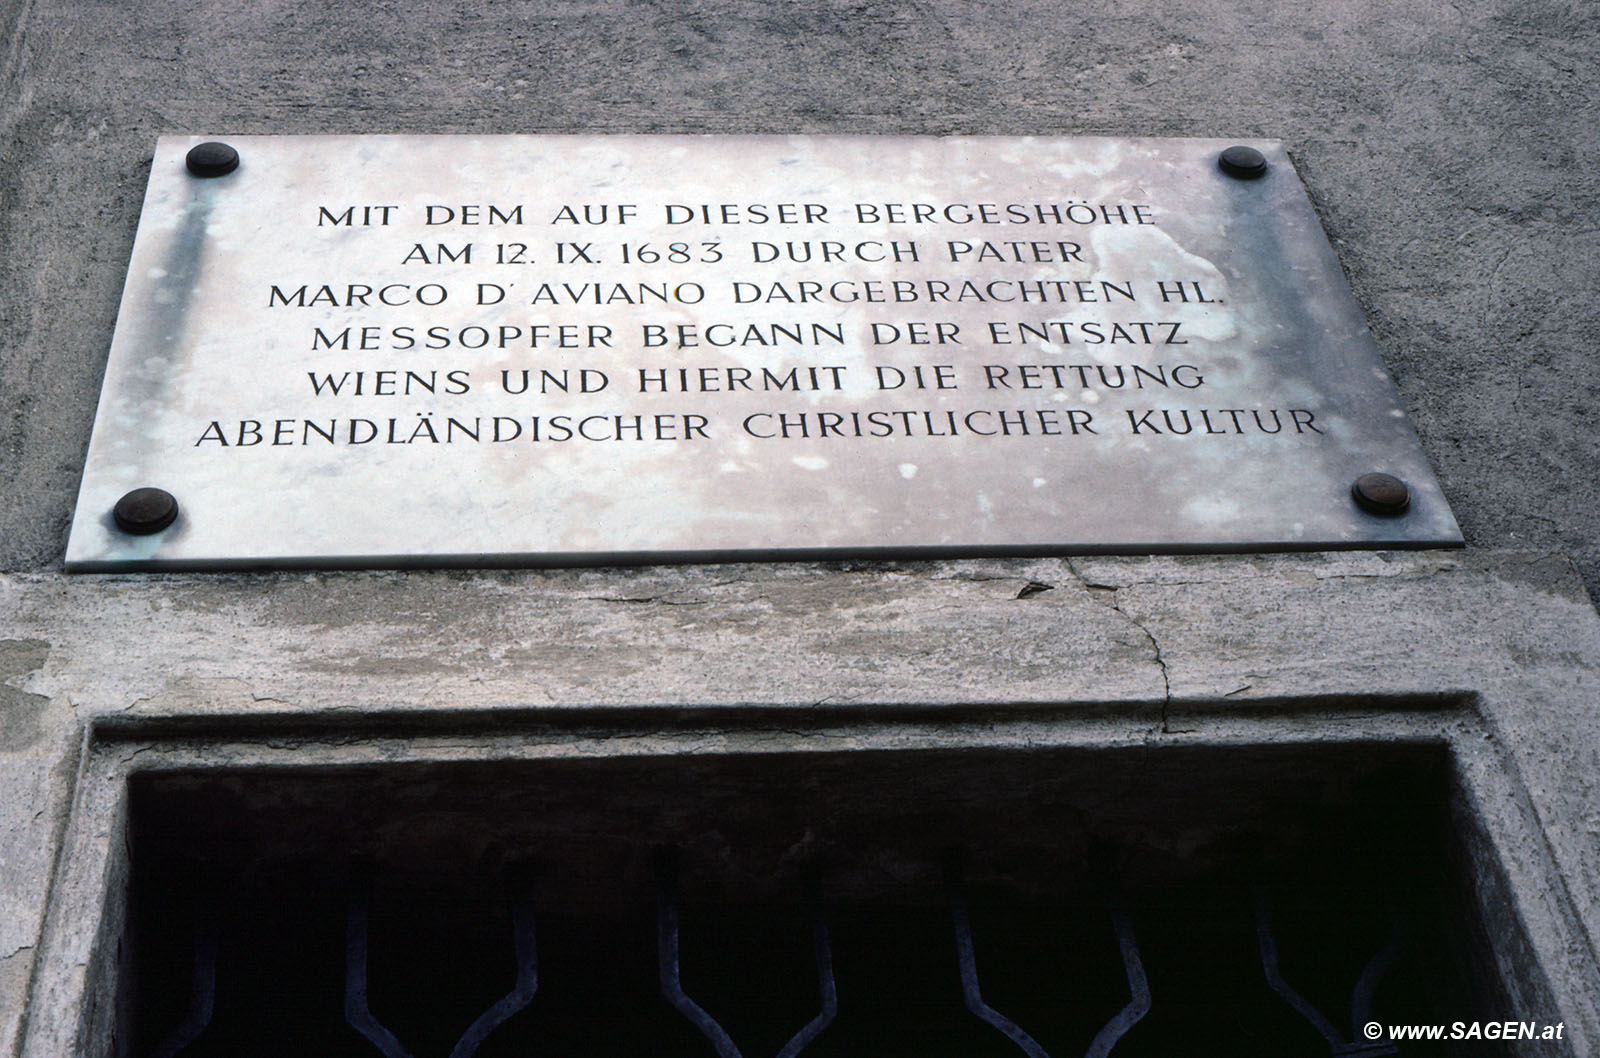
(498,350)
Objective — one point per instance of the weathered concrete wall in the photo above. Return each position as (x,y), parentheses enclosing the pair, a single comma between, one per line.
(1493,656)
(1447,146)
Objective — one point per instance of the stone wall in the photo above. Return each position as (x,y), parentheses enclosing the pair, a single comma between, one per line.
(1446,147)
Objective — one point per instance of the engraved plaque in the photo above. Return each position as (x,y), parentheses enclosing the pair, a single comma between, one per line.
(441,350)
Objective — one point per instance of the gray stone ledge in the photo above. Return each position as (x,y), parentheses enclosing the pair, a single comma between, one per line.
(984,632)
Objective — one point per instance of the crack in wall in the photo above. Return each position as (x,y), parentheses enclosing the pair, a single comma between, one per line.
(210,691)
(1161,662)
(1107,595)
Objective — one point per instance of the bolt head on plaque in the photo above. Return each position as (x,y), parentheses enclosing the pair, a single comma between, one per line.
(145,511)
(212,159)
(1381,494)
(1243,163)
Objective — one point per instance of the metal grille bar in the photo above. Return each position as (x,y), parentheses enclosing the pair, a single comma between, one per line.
(1361,997)
(970,992)
(672,986)
(520,898)
(667,956)
(359,1015)
(1138,988)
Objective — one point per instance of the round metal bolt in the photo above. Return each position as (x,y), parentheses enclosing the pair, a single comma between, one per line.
(1243,163)
(145,511)
(212,159)
(1381,494)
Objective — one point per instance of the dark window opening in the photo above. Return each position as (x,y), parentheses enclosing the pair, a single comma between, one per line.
(1204,858)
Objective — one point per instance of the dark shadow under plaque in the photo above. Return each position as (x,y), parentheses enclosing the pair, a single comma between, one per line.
(437,350)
